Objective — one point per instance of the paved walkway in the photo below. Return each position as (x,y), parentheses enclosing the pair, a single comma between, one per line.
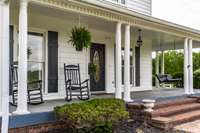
(190,127)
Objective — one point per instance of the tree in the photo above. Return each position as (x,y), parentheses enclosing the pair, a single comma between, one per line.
(174,61)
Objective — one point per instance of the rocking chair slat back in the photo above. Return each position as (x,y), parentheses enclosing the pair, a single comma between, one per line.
(73,84)
(72,72)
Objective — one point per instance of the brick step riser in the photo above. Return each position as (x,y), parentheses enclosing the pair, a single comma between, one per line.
(174,123)
(186,120)
(174,103)
(167,114)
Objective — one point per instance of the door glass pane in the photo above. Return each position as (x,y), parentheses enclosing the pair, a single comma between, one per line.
(35,57)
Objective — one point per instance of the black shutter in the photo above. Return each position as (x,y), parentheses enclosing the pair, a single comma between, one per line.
(52,61)
(137,66)
(11,43)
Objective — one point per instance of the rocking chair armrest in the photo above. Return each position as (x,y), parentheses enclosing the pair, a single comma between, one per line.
(85,81)
(68,82)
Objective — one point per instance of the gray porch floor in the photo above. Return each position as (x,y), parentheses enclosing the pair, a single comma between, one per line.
(156,93)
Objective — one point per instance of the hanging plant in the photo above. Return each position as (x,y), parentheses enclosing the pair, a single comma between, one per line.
(80,38)
(92,68)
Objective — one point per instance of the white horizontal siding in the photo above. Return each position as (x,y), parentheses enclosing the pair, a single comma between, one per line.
(141,6)
(146,64)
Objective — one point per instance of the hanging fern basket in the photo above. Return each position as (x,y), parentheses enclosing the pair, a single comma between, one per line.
(80,38)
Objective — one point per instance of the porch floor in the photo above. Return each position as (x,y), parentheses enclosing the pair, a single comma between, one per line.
(157,94)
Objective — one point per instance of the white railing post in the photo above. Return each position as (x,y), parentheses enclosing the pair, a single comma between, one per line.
(22,60)
(118,91)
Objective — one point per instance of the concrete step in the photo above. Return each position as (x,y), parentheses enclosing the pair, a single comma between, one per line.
(175,109)
(173,120)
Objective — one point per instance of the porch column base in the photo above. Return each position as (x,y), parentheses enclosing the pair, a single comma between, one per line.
(128,100)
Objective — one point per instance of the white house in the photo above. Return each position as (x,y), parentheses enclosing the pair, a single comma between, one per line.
(44,27)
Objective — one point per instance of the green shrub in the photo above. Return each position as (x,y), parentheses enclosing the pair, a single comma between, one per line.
(196,79)
(100,115)
(177,75)
(154,80)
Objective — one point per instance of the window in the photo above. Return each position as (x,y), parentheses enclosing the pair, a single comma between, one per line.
(35,57)
(131,66)
(118,1)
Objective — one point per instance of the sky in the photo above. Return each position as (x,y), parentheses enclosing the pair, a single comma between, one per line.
(184,12)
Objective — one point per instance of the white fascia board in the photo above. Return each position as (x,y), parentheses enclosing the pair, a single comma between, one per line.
(125,11)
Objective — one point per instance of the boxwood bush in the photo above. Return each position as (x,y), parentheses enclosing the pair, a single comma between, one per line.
(97,116)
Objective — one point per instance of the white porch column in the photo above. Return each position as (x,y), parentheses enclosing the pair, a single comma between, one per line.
(127,95)
(22,64)
(1,33)
(163,63)
(4,42)
(118,91)
(157,68)
(190,71)
(186,83)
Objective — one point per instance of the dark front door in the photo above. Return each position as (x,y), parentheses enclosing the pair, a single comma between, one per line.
(97,57)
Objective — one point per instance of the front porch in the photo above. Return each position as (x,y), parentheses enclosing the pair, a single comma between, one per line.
(158,94)
(126,66)
(45,28)
(43,113)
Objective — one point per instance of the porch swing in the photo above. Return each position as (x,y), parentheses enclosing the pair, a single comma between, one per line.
(167,78)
